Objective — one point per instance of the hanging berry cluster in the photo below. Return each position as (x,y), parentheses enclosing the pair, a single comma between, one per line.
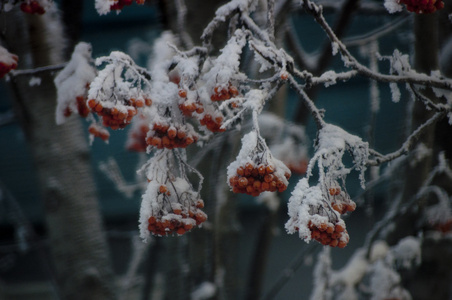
(170,204)
(340,200)
(256,170)
(8,61)
(115,115)
(224,93)
(81,106)
(313,217)
(329,231)
(423,6)
(188,107)
(99,131)
(172,136)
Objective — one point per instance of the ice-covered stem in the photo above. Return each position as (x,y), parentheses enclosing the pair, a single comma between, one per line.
(35,71)
(350,60)
(315,112)
(271,19)
(222,15)
(345,13)
(408,144)
(181,24)
(429,104)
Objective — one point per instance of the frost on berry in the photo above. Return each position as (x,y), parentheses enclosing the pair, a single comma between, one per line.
(256,170)
(313,217)
(170,135)
(118,91)
(72,84)
(8,61)
(220,80)
(99,131)
(315,211)
(170,204)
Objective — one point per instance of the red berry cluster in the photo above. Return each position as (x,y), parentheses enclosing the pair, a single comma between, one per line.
(119,116)
(137,138)
(180,220)
(5,67)
(299,167)
(253,180)
(340,201)
(212,123)
(189,107)
(99,131)
(221,94)
(329,234)
(119,4)
(170,137)
(32,7)
(423,6)
(82,108)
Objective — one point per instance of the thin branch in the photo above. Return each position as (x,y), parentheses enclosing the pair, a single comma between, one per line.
(344,18)
(409,143)
(271,19)
(37,71)
(315,112)
(181,24)
(351,61)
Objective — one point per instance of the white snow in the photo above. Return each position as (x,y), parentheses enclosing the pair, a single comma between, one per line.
(204,291)
(103,6)
(393,6)
(72,80)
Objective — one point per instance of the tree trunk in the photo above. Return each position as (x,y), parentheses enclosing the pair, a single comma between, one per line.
(431,279)
(61,155)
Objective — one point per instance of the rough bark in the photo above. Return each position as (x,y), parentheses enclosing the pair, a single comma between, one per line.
(61,156)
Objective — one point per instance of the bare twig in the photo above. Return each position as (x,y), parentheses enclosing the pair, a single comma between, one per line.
(351,61)
(409,143)
(37,71)
(315,112)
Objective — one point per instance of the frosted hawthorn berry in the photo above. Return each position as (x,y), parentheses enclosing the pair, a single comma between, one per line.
(213,124)
(329,234)
(284,75)
(189,107)
(163,189)
(117,116)
(182,93)
(170,137)
(99,131)
(224,93)
(254,179)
